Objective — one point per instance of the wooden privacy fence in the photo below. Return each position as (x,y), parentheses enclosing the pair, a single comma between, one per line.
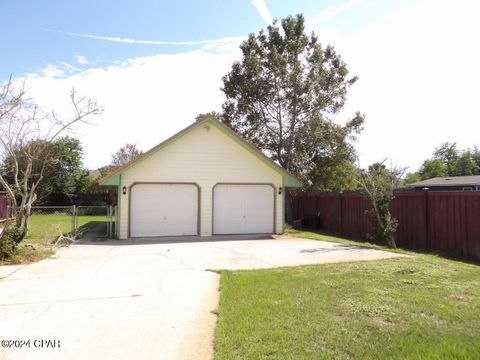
(5,209)
(444,221)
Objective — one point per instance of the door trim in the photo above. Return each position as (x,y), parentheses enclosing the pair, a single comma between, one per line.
(161,183)
(274,189)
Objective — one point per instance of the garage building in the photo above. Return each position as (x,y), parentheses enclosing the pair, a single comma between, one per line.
(205,180)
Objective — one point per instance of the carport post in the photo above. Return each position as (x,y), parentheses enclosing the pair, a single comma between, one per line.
(110,218)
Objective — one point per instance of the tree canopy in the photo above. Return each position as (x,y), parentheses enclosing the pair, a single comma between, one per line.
(209,115)
(448,160)
(29,142)
(283,95)
(67,175)
(125,154)
(62,162)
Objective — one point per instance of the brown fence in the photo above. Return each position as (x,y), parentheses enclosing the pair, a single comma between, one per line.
(4,207)
(444,221)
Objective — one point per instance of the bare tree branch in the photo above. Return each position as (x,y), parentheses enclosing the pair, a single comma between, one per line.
(26,133)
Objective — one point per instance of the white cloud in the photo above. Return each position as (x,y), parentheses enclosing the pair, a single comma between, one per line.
(50,71)
(262,9)
(147,42)
(146,99)
(331,12)
(419,76)
(69,67)
(418,86)
(82,60)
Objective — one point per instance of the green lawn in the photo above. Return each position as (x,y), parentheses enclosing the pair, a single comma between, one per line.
(332,238)
(45,228)
(421,307)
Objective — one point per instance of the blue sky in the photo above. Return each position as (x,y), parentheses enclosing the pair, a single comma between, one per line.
(35,32)
(154,65)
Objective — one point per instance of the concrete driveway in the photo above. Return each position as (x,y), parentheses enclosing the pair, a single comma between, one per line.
(137,299)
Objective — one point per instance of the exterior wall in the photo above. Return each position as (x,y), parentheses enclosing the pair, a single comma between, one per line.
(204,156)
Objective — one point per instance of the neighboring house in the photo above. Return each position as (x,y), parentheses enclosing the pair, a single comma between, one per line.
(205,180)
(449,183)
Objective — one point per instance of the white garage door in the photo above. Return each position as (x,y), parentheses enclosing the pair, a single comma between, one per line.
(163,210)
(243,209)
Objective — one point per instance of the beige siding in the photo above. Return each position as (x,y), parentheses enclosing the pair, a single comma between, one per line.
(204,156)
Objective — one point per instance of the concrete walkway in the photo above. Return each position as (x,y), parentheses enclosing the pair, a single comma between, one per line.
(138,299)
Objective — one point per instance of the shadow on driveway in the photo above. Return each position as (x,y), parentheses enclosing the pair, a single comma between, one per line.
(91,238)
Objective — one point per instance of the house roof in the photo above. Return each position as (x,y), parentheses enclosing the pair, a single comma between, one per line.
(448,181)
(289,180)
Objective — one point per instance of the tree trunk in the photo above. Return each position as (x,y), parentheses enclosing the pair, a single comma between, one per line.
(24,232)
(26,222)
(391,242)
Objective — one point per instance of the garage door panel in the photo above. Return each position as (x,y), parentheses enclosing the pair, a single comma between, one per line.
(164,210)
(243,209)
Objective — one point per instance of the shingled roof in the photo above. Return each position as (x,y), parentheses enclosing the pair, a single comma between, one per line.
(448,181)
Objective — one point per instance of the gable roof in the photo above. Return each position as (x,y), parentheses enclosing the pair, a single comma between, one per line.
(289,180)
(449,181)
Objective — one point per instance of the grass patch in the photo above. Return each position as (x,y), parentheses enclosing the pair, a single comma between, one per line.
(25,254)
(304,233)
(327,237)
(46,228)
(419,307)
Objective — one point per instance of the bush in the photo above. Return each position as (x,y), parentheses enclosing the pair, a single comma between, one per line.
(9,240)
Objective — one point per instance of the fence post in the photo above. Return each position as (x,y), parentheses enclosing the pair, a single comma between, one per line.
(74,218)
(427,215)
(340,197)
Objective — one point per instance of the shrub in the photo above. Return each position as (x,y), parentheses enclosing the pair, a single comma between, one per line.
(9,240)
(378,184)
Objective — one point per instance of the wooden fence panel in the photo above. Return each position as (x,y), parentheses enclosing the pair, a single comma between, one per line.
(444,221)
(355,220)
(454,222)
(329,210)
(472,224)
(410,211)
(3,206)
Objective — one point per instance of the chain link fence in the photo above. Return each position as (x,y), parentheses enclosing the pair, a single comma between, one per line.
(93,219)
(48,223)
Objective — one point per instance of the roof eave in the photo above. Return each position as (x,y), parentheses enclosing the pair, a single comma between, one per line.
(111,180)
(289,181)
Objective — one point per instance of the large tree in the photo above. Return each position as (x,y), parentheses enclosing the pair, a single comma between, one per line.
(432,168)
(66,176)
(283,95)
(447,153)
(123,155)
(209,115)
(467,163)
(126,153)
(63,173)
(27,135)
